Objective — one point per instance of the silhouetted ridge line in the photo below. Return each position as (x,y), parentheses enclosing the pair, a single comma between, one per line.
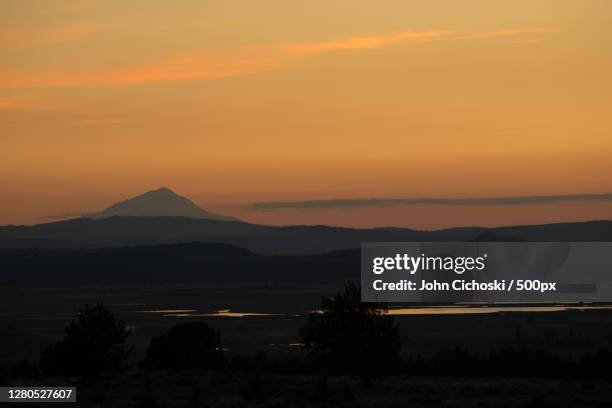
(190,262)
(134,231)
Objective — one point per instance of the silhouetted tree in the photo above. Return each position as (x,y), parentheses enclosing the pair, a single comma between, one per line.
(92,344)
(186,345)
(352,337)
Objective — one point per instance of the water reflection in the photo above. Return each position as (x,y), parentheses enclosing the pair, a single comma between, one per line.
(453,310)
(423,310)
(223,313)
(194,313)
(286,344)
(166,311)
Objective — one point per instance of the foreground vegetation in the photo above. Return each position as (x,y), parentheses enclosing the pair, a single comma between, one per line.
(351,357)
(231,388)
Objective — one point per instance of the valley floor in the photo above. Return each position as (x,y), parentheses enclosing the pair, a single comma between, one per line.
(236,389)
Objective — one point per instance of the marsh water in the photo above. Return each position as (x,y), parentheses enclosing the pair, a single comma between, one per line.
(254,318)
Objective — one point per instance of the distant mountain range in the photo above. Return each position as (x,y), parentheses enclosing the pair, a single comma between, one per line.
(160,236)
(133,231)
(162,217)
(162,202)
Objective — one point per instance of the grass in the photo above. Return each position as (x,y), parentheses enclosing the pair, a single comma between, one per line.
(236,389)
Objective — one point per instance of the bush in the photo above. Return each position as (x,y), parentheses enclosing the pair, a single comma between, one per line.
(187,345)
(352,337)
(92,344)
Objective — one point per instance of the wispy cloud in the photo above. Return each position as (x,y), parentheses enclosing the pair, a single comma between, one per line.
(380,41)
(386,202)
(242,61)
(62,216)
(18,102)
(516,32)
(367,42)
(173,69)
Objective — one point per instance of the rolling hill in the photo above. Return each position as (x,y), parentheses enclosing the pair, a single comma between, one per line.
(133,231)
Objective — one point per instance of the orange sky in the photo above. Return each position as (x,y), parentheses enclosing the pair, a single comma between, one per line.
(236,102)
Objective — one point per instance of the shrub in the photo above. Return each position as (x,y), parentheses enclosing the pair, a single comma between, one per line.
(187,345)
(93,343)
(352,337)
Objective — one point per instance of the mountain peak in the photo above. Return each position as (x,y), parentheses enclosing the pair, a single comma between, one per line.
(162,191)
(158,203)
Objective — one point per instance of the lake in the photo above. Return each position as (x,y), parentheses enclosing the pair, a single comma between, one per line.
(262,318)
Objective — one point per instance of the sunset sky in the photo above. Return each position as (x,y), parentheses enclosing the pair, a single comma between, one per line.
(232,103)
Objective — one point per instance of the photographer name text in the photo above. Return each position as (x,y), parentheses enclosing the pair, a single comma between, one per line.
(519,285)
